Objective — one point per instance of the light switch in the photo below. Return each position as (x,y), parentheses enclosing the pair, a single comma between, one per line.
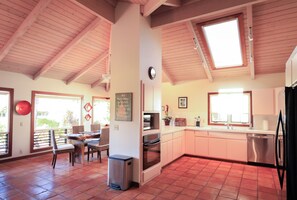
(116,127)
(21,123)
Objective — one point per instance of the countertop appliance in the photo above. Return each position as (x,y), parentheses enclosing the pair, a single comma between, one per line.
(260,149)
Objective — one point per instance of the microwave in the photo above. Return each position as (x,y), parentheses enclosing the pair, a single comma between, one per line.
(147,122)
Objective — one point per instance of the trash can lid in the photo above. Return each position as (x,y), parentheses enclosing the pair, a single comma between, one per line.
(120,157)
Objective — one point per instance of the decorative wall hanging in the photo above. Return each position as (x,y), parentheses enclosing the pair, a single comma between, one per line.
(123,106)
(23,108)
(182,102)
(88,107)
(88,117)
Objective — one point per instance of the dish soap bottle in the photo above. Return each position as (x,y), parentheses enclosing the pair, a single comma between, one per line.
(198,121)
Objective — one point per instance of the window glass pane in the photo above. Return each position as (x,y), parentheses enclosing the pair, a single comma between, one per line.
(230,107)
(101,111)
(223,40)
(4,122)
(4,111)
(57,112)
(54,112)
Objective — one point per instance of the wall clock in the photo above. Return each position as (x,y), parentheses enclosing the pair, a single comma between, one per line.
(151,73)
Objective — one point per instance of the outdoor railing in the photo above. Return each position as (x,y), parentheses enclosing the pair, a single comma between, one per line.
(42,138)
(3,143)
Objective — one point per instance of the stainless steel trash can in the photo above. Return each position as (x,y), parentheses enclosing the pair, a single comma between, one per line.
(120,172)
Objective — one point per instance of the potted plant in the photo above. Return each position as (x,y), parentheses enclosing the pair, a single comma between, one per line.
(167,118)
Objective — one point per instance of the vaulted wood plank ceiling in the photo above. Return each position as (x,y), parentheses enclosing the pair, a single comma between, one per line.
(69,40)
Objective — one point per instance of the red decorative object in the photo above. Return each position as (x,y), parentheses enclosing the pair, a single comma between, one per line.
(88,117)
(23,108)
(88,107)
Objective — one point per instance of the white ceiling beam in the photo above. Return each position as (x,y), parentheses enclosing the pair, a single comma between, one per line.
(96,61)
(199,50)
(98,8)
(151,6)
(198,9)
(22,29)
(67,48)
(167,74)
(249,12)
(173,3)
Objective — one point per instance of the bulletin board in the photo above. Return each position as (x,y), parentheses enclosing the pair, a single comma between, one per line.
(123,106)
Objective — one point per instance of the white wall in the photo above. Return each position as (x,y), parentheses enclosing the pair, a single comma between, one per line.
(197,91)
(134,47)
(23,86)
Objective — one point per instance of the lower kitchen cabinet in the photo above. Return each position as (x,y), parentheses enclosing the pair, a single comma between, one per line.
(190,142)
(217,148)
(237,150)
(166,152)
(201,146)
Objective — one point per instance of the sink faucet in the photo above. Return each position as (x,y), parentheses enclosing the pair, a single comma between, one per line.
(229,126)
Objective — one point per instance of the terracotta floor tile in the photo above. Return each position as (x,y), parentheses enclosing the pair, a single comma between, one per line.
(186,178)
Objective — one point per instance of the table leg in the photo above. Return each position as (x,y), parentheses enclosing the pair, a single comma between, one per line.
(79,151)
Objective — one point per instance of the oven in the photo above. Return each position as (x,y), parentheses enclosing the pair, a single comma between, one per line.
(151,150)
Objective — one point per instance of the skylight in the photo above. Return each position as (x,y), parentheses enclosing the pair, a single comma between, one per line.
(224,43)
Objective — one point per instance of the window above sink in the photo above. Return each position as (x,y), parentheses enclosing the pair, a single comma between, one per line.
(230,108)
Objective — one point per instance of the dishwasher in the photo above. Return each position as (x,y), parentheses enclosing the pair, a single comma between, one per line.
(260,149)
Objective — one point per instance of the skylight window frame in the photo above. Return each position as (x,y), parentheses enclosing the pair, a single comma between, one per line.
(240,21)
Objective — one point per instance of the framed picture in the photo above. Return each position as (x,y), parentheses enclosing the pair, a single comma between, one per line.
(182,102)
(123,106)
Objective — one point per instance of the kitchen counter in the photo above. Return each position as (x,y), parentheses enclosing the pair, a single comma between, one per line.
(171,129)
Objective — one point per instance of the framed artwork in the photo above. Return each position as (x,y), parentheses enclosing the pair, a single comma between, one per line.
(123,106)
(88,117)
(182,102)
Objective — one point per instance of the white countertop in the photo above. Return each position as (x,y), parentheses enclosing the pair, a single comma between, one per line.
(171,129)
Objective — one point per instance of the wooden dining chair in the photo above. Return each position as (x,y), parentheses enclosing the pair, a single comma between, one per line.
(78,129)
(95,127)
(102,145)
(62,148)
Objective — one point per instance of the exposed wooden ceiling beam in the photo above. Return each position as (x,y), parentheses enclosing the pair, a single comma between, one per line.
(88,67)
(198,9)
(199,50)
(22,29)
(251,38)
(98,82)
(107,87)
(151,6)
(173,3)
(67,48)
(99,8)
(167,74)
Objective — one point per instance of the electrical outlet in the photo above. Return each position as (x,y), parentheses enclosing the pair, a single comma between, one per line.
(21,124)
(21,152)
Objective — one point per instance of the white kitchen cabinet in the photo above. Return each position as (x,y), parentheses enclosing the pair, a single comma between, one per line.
(201,146)
(177,144)
(164,153)
(190,142)
(237,150)
(279,96)
(263,101)
(152,98)
(217,148)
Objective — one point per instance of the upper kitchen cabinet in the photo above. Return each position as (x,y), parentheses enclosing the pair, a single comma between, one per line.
(263,101)
(291,69)
(279,94)
(152,98)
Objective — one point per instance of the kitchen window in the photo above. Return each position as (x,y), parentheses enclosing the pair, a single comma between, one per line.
(6,112)
(53,111)
(101,110)
(234,108)
(223,40)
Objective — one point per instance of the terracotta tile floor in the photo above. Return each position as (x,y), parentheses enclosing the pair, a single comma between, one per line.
(185,179)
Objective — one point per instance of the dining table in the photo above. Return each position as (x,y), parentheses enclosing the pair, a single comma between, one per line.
(79,141)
